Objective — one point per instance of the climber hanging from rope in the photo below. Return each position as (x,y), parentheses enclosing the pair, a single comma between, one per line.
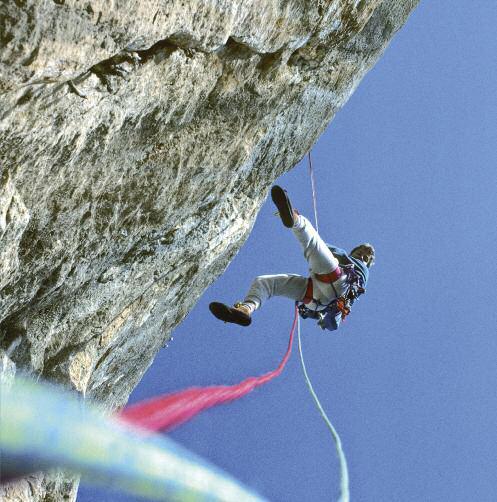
(337,278)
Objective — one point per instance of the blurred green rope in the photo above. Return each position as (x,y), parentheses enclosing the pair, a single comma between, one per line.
(42,427)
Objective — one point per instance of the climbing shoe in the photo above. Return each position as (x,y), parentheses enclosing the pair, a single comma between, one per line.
(282,202)
(239,314)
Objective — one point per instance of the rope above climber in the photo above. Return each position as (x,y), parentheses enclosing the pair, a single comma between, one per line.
(337,278)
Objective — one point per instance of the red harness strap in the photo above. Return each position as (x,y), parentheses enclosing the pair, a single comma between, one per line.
(308,292)
(328,278)
(331,277)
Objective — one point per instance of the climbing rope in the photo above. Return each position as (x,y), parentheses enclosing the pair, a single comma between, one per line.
(43,427)
(344,473)
(170,410)
(313,187)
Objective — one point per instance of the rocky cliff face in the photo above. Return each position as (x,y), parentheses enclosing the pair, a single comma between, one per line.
(138,139)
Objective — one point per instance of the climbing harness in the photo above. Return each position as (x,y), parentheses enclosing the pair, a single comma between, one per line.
(330,315)
(331,277)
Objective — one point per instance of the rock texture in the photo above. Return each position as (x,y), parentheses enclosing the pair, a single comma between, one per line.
(138,139)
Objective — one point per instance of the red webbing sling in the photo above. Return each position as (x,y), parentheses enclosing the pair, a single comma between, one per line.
(169,411)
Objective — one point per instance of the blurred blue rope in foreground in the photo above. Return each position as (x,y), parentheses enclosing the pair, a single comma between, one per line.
(42,427)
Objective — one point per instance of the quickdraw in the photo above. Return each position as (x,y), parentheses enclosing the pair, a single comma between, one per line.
(343,306)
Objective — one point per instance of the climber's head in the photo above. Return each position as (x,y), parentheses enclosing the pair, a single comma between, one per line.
(365,253)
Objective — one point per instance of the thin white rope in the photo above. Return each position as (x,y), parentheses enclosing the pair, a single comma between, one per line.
(344,472)
(313,187)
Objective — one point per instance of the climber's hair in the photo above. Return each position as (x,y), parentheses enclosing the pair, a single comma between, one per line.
(368,246)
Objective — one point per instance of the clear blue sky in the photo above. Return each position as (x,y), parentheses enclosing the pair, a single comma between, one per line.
(410,379)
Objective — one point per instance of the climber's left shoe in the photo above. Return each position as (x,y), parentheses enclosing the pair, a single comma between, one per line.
(239,314)
(281,200)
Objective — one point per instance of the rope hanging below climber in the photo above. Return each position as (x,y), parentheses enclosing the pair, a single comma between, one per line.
(168,411)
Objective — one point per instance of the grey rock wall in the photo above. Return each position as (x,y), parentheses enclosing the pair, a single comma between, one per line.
(138,139)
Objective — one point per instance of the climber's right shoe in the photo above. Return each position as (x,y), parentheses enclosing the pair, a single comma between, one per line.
(239,314)
(281,200)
